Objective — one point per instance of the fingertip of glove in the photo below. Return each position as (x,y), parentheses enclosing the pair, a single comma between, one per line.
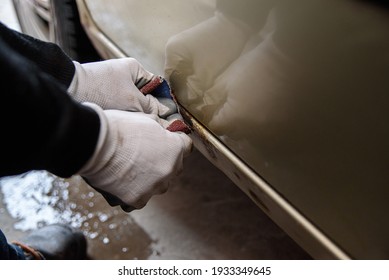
(181,130)
(170,107)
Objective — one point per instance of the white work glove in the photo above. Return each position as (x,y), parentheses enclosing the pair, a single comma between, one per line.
(115,84)
(134,158)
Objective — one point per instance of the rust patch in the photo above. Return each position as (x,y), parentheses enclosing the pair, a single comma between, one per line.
(198,131)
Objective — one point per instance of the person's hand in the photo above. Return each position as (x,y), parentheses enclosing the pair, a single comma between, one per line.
(115,84)
(134,158)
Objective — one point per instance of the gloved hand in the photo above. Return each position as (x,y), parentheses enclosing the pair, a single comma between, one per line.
(115,84)
(134,158)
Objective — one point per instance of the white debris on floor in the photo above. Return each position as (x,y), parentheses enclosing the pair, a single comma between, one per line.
(37,198)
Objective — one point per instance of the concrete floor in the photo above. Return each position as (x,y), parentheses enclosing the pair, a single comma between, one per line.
(202,216)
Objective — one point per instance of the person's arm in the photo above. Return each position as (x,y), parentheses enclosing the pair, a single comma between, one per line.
(48,57)
(126,156)
(42,127)
(89,82)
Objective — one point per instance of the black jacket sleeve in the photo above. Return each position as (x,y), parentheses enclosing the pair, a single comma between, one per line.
(42,128)
(49,57)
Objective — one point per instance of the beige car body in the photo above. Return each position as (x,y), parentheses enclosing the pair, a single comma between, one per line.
(290,99)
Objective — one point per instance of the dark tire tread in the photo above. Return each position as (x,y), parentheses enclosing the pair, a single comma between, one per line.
(69,33)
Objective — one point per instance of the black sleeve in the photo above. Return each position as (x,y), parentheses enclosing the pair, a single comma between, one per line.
(47,56)
(42,128)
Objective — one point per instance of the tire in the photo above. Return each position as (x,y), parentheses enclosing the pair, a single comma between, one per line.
(68,32)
